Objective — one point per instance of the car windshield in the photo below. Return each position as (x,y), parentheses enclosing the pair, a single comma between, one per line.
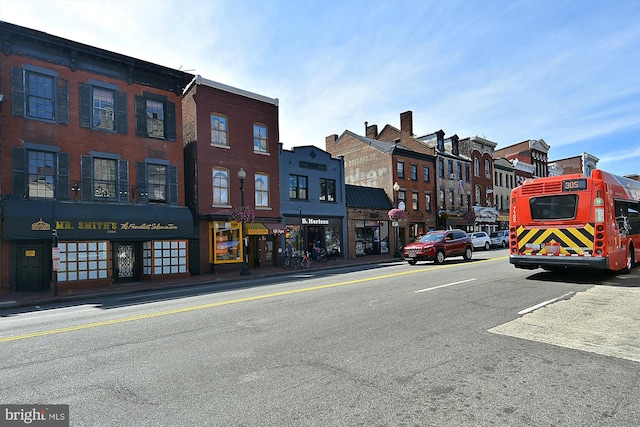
(432,237)
(495,235)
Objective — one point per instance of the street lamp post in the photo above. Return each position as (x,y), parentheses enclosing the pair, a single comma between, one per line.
(245,268)
(396,188)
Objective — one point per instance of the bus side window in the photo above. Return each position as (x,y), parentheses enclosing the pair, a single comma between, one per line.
(633,217)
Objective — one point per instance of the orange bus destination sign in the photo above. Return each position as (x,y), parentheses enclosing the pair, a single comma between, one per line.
(579,184)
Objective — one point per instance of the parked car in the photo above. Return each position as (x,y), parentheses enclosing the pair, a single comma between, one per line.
(500,238)
(481,240)
(438,245)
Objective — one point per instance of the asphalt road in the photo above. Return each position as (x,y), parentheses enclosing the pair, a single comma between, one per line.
(468,343)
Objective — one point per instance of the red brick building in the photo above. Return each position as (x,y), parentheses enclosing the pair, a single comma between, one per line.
(483,191)
(91,166)
(227,130)
(584,163)
(529,158)
(392,156)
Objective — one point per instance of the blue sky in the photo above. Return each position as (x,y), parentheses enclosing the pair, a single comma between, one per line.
(567,72)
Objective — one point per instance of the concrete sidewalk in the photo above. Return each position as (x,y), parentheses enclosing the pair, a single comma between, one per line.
(23,299)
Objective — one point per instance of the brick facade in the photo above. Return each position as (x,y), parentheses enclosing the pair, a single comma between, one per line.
(80,156)
(240,110)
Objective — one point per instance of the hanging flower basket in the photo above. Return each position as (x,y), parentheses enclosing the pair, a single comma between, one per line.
(243,214)
(397,214)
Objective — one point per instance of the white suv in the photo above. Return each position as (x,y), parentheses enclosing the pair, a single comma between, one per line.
(500,238)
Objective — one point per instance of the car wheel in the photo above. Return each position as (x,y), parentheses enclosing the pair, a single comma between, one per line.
(412,262)
(468,253)
(439,259)
(504,244)
(487,246)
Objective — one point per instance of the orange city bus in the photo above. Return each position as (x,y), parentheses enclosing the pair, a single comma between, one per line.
(575,221)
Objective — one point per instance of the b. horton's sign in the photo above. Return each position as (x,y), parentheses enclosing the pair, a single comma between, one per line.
(110,227)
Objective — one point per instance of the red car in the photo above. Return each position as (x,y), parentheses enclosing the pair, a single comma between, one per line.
(437,245)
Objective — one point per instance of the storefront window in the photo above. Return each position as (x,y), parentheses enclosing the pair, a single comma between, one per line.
(294,235)
(226,242)
(372,237)
(164,257)
(384,237)
(82,261)
(332,242)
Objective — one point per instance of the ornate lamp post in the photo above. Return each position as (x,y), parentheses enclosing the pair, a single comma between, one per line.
(245,268)
(396,188)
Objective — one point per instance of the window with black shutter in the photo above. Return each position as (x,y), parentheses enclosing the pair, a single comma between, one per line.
(104,177)
(38,93)
(103,107)
(157,182)
(155,117)
(39,172)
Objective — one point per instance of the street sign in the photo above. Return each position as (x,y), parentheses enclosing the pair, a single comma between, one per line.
(55,257)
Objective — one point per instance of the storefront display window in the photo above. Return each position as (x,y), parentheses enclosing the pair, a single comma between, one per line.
(82,261)
(294,235)
(164,257)
(332,240)
(226,242)
(372,237)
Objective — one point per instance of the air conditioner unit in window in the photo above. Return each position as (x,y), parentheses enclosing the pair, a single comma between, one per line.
(453,176)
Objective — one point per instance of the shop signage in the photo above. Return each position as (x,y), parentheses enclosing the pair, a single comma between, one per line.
(315,221)
(90,221)
(41,226)
(108,226)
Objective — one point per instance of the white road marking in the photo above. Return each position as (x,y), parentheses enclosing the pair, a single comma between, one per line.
(443,286)
(542,304)
(38,315)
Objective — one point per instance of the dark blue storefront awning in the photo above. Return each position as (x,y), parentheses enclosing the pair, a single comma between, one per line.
(27,219)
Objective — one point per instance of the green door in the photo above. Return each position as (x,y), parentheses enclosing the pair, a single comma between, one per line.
(32,275)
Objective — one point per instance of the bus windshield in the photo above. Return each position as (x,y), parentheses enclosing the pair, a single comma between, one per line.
(554,207)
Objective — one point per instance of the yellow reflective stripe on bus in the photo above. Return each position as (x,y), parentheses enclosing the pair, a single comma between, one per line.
(570,240)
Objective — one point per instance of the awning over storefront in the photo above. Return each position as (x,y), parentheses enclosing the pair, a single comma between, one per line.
(276,229)
(255,229)
(485,214)
(27,219)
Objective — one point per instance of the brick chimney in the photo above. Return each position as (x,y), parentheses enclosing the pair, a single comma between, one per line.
(406,125)
(371,131)
(330,142)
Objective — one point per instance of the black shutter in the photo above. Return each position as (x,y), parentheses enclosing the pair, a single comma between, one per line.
(172,184)
(86,175)
(170,120)
(62,189)
(141,116)
(62,101)
(141,175)
(19,178)
(85,105)
(17,92)
(121,113)
(123,180)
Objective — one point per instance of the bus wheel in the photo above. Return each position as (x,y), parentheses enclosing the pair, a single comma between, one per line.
(630,260)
